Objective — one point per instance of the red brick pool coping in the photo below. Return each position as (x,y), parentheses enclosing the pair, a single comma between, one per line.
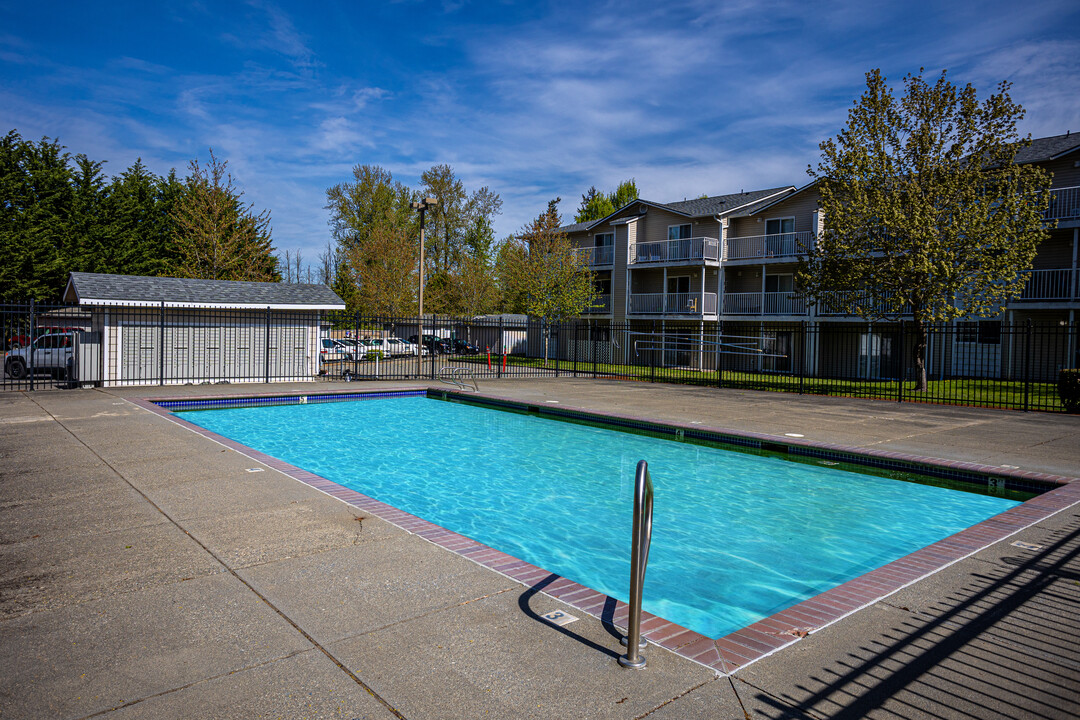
(742,647)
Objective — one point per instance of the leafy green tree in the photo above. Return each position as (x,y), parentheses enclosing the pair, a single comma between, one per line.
(596,205)
(459,239)
(545,270)
(925,209)
(218,237)
(377,237)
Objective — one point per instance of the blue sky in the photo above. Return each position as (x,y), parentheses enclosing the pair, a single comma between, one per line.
(534,100)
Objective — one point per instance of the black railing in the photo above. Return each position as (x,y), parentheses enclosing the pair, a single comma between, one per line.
(967,363)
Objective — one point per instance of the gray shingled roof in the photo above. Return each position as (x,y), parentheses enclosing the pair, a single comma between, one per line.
(701,207)
(103,289)
(723,203)
(1048,148)
(576,227)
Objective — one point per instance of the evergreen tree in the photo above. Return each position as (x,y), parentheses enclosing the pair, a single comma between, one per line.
(596,205)
(35,217)
(217,236)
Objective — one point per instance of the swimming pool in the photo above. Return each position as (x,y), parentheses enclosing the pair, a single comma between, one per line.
(738,536)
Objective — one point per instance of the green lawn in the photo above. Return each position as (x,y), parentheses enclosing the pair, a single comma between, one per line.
(975,392)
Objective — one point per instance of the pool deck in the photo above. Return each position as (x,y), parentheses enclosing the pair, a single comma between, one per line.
(145,572)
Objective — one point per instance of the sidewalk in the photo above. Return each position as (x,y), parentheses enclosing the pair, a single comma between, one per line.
(145,573)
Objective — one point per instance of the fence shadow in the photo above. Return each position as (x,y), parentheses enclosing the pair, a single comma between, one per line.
(1006,645)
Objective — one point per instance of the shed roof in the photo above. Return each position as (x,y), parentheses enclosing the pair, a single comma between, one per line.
(135,290)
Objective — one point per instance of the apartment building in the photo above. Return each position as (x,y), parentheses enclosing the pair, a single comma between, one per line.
(723,267)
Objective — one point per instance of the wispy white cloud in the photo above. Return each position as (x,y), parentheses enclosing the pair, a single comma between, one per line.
(532,101)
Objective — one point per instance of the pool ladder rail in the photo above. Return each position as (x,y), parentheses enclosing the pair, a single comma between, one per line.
(459,377)
(639,559)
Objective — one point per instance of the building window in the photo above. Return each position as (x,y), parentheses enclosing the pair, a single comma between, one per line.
(679,232)
(983,332)
(780,226)
(605,239)
(779,283)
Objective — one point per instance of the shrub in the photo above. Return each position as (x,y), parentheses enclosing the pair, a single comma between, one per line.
(1069,389)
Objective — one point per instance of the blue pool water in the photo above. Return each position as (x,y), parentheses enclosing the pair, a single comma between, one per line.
(737,536)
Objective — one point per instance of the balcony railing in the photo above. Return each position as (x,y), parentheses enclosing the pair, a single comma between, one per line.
(1050,285)
(770,303)
(600,255)
(790,244)
(673,303)
(601,304)
(1064,204)
(699,248)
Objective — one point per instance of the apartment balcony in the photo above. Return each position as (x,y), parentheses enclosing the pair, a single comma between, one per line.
(1051,285)
(784,245)
(693,304)
(1064,204)
(667,251)
(763,303)
(601,305)
(598,256)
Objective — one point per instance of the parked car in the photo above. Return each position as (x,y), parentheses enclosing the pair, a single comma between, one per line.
(386,346)
(354,348)
(331,350)
(462,347)
(51,354)
(434,344)
(22,338)
(411,347)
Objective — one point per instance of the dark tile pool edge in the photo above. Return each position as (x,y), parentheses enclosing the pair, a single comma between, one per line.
(736,650)
(968,472)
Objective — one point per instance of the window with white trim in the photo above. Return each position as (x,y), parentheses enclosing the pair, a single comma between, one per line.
(679,232)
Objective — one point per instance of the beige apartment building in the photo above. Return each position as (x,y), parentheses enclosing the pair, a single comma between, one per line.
(694,276)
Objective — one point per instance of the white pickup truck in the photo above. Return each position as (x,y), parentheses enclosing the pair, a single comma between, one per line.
(51,354)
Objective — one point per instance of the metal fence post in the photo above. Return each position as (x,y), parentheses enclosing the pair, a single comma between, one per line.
(903,366)
(161,345)
(719,355)
(30,344)
(574,346)
(593,347)
(266,356)
(499,346)
(802,356)
(1027,367)
(558,355)
(652,354)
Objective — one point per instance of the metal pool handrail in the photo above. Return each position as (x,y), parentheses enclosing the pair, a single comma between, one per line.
(639,559)
(457,376)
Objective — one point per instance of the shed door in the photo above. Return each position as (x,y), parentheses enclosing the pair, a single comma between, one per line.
(138,352)
(288,351)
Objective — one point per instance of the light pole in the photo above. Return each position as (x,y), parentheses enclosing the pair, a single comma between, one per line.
(422,206)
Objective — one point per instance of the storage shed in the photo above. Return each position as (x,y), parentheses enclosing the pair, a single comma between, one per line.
(163,330)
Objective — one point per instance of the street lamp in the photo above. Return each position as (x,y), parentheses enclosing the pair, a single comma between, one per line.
(422,206)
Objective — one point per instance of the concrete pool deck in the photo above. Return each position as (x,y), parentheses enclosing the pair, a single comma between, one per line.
(145,573)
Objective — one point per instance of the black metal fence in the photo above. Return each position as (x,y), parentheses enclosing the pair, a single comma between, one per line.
(984,363)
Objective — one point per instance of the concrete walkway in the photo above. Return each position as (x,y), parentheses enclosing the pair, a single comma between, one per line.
(145,573)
